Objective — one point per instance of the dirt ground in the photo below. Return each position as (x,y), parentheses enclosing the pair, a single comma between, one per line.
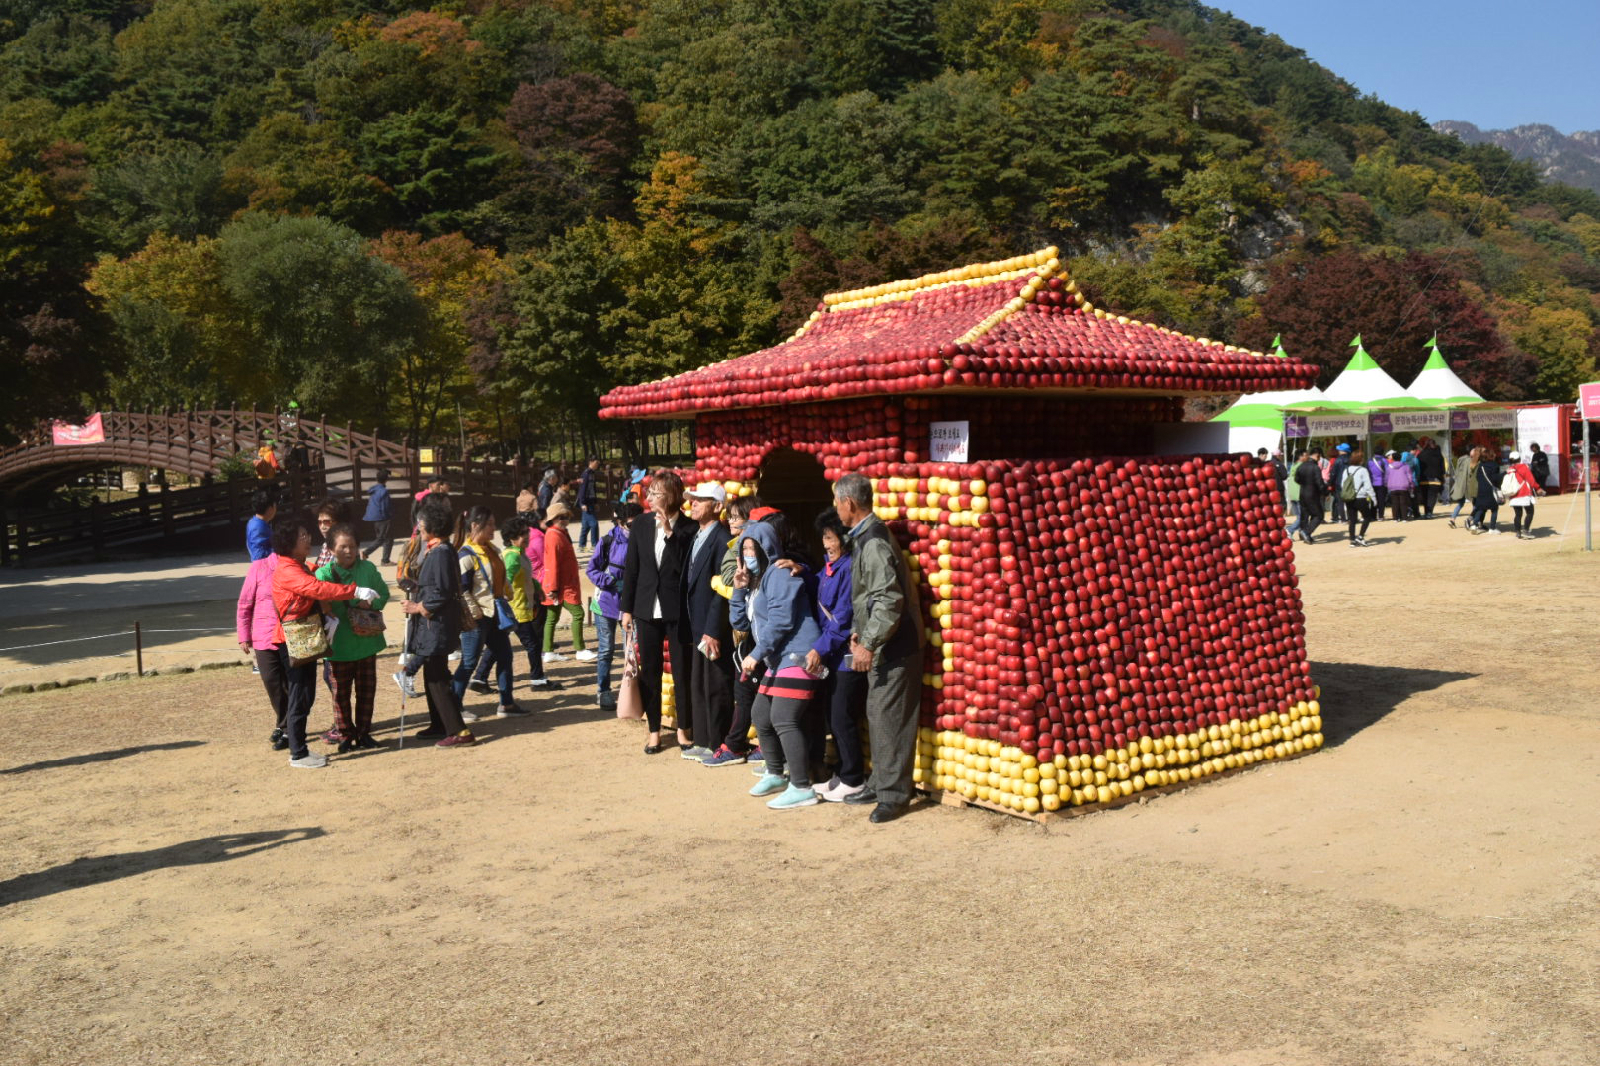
(1422,891)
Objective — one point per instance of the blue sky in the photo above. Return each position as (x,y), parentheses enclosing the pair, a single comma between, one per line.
(1494,64)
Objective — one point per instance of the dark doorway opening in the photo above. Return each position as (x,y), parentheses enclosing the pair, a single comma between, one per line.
(794,483)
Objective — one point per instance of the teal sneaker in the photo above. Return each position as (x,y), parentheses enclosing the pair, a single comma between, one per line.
(769,784)
(794,797)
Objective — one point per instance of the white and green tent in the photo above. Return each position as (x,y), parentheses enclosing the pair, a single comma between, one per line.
(1437,385)
(1363,385)
(1256,419)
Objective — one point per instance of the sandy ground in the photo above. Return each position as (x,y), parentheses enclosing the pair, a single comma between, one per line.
(1424,890)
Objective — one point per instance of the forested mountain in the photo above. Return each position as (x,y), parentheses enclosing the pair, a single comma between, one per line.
(383,212)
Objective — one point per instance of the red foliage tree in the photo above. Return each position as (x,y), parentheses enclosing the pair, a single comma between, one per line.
(1396,304)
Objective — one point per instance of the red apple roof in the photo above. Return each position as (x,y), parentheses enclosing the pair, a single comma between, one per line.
(1016,324)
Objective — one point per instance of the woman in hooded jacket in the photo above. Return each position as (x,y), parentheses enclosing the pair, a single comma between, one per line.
(777,607)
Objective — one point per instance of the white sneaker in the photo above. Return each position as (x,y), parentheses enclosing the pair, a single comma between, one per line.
(310,761)
(470,716)
(453,657)
(585,656)
(1493,532)
(835,791)
(554,657)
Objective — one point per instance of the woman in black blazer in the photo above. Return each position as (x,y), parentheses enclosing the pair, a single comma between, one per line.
(651,600)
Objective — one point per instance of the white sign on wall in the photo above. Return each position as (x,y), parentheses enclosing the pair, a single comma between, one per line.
(1420,421)
(1337,425)
(1492,419)
(948,441)
(1541,426)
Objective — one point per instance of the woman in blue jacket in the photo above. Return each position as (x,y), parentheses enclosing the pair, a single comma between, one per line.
(844,691)
(778,610)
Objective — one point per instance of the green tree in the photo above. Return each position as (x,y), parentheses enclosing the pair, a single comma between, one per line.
(327,319)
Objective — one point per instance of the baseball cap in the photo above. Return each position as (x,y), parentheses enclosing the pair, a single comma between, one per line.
(1516,457)
(709,490)
(1344,447)
(762,512)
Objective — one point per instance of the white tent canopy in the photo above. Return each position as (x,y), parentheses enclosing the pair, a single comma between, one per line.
(1438,386)
(1363,385)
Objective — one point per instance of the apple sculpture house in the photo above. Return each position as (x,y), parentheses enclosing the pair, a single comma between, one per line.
(1101,620)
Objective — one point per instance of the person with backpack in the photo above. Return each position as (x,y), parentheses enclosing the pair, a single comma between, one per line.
(1308,475)
(1376,468)
(1360,501)
(1520,489)
(605,573)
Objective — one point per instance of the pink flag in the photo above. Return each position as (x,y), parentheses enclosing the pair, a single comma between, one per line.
(91,432)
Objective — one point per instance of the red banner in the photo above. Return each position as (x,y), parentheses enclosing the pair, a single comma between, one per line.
(91,432)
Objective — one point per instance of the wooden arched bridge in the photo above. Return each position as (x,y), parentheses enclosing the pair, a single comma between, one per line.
(193,443)
(316,458)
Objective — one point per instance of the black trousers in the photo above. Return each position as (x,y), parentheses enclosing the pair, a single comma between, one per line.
(300,692)
(380,539)
(652,633)
(1358,510)
(1400,504)
(710,694)
(744,699)
(273,665)
(846,696)
(1310,517)
(1430,498)
(1522,518)
(444,709)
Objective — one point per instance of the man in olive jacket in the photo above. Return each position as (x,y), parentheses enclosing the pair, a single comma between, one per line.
(886,645)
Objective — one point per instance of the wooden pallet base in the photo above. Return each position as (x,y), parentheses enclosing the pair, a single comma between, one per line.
(956,799)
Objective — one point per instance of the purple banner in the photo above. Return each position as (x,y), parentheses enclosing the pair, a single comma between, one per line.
(1460,421)
(1297,427)
(1381,423)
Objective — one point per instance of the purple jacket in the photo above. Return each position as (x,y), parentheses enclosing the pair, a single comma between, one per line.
(1376,466)
(257,619)
(605,569)
(1397,475)
(834,613)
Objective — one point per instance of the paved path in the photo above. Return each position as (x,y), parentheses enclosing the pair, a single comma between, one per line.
(185,609)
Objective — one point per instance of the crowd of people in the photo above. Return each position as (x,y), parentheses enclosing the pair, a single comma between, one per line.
(1409,484)
(722,596)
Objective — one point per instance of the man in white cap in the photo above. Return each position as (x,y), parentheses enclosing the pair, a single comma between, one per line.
(709,638)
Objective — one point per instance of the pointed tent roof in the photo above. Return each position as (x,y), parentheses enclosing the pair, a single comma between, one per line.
(1017,324)
(1264,410)
(1363,385)
(1437,385)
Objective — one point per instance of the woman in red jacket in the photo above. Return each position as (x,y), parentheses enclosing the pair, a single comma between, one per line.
(561,588)
(296,595)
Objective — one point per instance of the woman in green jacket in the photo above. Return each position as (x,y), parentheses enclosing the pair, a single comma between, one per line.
(354,658)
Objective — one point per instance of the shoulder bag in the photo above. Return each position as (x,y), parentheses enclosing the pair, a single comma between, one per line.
(504,617)
(304,639)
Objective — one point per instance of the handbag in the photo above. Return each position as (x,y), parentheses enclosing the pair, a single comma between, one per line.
(630,701)
(304,639)
(1499,497)
(364,621)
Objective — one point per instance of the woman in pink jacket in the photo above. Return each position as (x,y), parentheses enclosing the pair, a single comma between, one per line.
(257,623)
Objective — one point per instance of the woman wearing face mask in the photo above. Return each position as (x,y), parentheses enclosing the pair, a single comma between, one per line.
(354,658)
(775,605)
